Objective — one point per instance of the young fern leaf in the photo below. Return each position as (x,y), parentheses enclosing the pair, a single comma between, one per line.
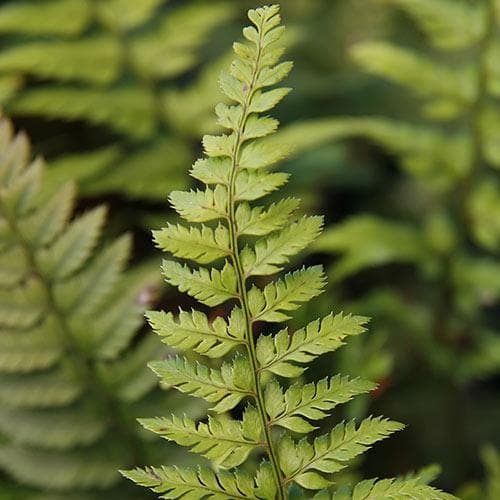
(236,164)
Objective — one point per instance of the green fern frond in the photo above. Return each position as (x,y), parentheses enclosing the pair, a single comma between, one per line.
(173,482)
(331,452)
(312,401)
(225,442)
(395,489)
(68,313)
(225,387)
(250,242)
(283,353)
(194,331)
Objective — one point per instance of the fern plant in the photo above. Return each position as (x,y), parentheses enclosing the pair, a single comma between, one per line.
(71,381)
(259,404)
(449,155)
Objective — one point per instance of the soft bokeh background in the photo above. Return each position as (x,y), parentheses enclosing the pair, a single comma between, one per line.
(117,93)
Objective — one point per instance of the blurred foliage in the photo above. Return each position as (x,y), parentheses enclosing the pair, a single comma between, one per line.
(422,257)
(72,357)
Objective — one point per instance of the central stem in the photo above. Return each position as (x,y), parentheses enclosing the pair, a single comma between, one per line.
(241,280)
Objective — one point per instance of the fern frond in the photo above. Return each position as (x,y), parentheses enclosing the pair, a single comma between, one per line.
(194,331)
(54,429)
(286,294)
(210,287)
(395,489)
(225,442)
(269,254)
(312,401)
(125,109)
(252,241)
(174,482)
(94,468)
(259,221)
(200,206)
(283,353)
(94,59)
(250,186)
(331,452)
(225,387)
(203,245)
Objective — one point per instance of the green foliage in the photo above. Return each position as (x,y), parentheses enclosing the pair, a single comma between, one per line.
(491,487)
(70,379)
(113,65)
(449,233)
(272,410)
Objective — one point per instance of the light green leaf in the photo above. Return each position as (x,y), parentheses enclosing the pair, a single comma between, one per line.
(397,489)
(173,483)
(212,170)
(271,253)
(260,221)
(261,154)
(194,331)
(259,127)
(221,439)
(314,401)
(219,145)
(210,287)
(264,101)
(225,387)
(252,185)
(332,452)
(201,244)
(284,353)
(200,206)
(286,294)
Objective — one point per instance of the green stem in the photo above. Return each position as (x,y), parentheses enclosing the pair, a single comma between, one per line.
(241,279)
(81,363)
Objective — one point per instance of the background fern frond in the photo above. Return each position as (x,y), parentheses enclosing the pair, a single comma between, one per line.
(65,381)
